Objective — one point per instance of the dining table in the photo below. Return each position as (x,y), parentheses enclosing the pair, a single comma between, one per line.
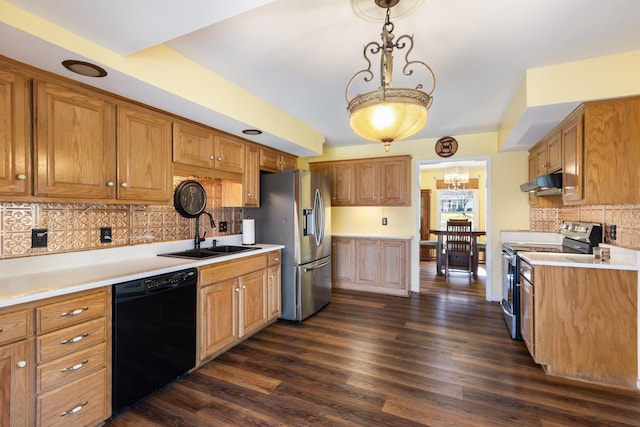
(473,234)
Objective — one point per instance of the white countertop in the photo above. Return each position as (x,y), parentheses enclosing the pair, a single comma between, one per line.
(621,259)
(38,277)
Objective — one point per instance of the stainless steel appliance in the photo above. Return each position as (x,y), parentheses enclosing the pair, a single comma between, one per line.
(295,211)
(578,237)
(154,334)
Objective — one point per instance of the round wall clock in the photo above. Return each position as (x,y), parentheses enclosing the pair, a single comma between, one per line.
(190,199)
(446,146)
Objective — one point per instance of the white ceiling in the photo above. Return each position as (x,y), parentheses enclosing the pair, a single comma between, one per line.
(298,55)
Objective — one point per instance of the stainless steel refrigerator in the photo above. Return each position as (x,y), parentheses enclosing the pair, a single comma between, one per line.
(295,211)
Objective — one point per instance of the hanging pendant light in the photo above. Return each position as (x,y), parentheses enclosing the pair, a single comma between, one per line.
(389,114)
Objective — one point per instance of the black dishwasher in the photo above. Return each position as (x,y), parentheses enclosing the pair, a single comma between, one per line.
(154,334)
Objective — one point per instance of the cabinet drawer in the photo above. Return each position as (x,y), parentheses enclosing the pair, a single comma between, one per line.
(70,312)
(229,270)
(14,326)
(79,403)
(71,368)
(274,258)
(69,340)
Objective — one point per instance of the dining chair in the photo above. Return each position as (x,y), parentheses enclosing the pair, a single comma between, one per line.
(458,249)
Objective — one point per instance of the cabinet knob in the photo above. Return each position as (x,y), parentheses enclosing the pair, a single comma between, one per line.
(237,289)
(124,185)
(110,184)
(22,363)
(212,157)
(249,194)
(244,287)
(219,159)
(21,177)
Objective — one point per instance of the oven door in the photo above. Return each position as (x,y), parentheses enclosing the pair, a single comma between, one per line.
(510,296)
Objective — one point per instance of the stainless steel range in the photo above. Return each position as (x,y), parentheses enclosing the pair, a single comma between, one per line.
(577,237)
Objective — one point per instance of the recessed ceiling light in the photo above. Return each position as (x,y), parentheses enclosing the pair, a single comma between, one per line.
(252,132)
(84,68)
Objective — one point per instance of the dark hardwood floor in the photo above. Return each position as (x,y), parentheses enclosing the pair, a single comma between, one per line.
(439,358)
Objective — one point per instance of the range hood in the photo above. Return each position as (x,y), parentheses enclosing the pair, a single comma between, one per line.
(545,185)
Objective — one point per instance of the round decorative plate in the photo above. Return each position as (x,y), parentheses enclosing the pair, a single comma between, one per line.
(446,146)
(190,199)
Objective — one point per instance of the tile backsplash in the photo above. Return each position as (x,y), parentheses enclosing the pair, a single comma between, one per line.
(76,227)
(626,218)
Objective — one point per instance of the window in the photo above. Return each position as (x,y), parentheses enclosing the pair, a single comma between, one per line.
(456,204)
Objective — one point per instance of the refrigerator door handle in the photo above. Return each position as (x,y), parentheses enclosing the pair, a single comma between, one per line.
(315,267)
(318,208)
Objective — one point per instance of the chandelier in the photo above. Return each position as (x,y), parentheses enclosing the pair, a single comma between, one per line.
(456,177)
(387,113)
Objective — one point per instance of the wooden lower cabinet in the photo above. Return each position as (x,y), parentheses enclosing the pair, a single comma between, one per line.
(372,265)
(274,286)
(55,361)
(235,301)
(581,323)
(15,383)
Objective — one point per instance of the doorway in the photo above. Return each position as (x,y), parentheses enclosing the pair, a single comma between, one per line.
(468,174)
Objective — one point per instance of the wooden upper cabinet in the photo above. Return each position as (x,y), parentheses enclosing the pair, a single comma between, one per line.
(144,155)
(383,181)
(74,143)
(572,140)
(275,161)
(251,177)
(15,125)
(193,145)
(546,156)
(229,154)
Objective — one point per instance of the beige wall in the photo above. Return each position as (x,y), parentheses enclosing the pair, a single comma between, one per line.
(506,208)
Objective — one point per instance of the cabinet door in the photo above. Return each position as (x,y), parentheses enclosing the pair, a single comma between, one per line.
(251,178)
(572,173)
(343,259)
(539,154)
(287,162)
(229,155)
(394,183)
(367,267)
(274,292)
(367,183)
(269,160)
(253,302)
(554,152)
(219,317)
(15,380)
(15,169)
(74,144)
(393,263)
(343,184)
(526,315)
(193,145)
(144,155)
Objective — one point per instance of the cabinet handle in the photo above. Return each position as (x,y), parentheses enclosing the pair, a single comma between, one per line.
(21,177)
(75,410)
(237,289)
(74,312)
(212,157)
(22,363)
(75,367)
(124,185)
(276,259)
(75,339)
(244,287)
(219,159)
(110,184)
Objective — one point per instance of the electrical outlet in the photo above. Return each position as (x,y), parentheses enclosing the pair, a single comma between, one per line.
(613,230)
(39,237)
(222,226)
(384,220)
(105,235)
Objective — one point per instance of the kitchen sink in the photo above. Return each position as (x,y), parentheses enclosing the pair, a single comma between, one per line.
(193,253)
(208,252)
(230,249)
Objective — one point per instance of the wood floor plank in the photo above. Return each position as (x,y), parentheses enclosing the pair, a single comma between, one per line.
(439,358)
